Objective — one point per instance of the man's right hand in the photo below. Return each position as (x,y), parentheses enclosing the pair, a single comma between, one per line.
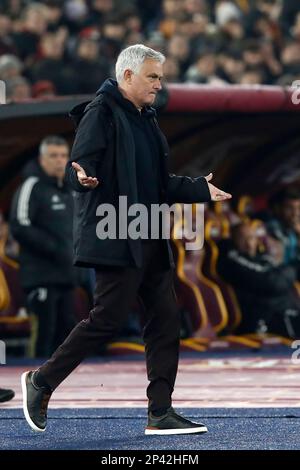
(84,180)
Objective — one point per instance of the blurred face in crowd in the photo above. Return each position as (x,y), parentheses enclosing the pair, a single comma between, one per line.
(103,5)
(246,241)
(133,23)
(253,57)
(195,6)
(35,21)
(251,77)
(234,29)
(206,64)
(10,72)
(264,27)
(53,13)
(232,66)
(20,92)
(191,28)
(268,6)
(54,159)
(141,88)
(88,49)
(5,25)
(290,55)
(178,47)
(114,31)
(51,46)
(290,212)
(170,7)
(171,70)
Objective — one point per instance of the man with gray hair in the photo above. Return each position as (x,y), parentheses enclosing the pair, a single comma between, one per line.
(119,151)
(41,221)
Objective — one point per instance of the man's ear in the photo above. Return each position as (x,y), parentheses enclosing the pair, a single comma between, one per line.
(128,75)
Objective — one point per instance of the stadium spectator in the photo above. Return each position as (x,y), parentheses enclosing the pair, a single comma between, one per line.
(51,65)
(179,49)
(263,283)
(171,70)
(10,67)
(204,70)
(230,66)
(93,70)
(43,89)
(34,26)
(284,224)
(18,89)
(41,221)
(252,76)
(6,42)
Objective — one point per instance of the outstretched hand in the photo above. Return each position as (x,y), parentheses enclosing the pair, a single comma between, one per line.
(84,180)
(216,194)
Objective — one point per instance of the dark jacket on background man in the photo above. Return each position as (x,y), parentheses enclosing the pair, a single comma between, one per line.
(263,289)
(128,154)
(41,221)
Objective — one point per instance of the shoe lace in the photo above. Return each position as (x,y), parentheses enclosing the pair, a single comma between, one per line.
(44,404)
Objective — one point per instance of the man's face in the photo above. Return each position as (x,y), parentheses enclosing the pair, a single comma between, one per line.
(246,240)
(144,85)
(290,212)
(54,160)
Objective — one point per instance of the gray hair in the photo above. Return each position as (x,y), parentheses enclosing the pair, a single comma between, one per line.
(8,62)
(133,57)
(12,83)
(51,140)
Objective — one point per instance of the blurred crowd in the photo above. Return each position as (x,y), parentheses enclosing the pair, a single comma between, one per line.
(56,47)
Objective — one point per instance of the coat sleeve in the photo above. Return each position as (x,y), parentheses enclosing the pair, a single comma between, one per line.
(187,190)
(88,148)
(182,189)
(23,221)
(263,278)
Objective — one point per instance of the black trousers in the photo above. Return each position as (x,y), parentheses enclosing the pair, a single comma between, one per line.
(52,317)
(116,290)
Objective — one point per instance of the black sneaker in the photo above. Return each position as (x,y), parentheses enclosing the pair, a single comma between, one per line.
(172,423)
(6,395)
(35,402)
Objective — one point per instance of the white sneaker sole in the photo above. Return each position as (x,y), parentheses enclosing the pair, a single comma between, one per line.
(165,432)
(25,409)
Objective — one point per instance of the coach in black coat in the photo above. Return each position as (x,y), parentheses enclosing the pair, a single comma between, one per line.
(125,156)
(120,151)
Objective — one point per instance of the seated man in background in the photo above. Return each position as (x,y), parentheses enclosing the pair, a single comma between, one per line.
(284,224)
(263,282)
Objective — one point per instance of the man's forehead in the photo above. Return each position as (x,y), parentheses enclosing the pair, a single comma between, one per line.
(52,148)
(152,66)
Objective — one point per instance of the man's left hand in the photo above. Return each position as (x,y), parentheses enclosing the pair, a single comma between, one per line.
(216,194)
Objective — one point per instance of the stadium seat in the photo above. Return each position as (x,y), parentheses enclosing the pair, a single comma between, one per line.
(213,233)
